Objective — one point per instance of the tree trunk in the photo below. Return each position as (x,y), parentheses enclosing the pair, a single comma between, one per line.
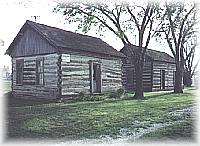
(138,67)
(187,78)
(139,94)
(178,80)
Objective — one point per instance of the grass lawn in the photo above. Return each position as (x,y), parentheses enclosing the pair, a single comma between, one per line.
(94,120)
(179,131)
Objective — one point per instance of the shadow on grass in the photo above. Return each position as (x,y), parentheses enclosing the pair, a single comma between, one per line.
(157,95)
(192,88)
(16,102)
(150,96)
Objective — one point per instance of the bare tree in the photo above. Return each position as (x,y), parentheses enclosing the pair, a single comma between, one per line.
(189,54)
(179,20)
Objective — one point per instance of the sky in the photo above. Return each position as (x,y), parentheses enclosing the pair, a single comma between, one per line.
(14,13)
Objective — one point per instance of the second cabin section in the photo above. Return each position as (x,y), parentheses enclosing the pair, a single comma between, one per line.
(158,71)
(48,62)
(89,74)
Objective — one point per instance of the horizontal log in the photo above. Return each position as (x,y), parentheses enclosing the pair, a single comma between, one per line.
(112,69)
(64,64)
(36,87)
(78,89)
(29,59)
(79,61)
(78,78)
(51,67)
(38,94)
(75,82)
(156,83)
(30,65)
(28,83)
(46,72)
(75,72)
(29,69)
(50,62)
(29,73)
(69,69)
(111,79)
(29,77)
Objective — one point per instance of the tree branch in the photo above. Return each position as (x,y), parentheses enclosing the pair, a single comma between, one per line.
(172,29)
(116,22)
(169,43)
(195,67)
(134,18)
(182,25)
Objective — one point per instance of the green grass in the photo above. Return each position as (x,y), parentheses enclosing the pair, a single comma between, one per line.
(93,119)
(184,130)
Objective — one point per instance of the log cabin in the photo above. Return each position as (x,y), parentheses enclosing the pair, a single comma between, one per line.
(52,63)
(158,71)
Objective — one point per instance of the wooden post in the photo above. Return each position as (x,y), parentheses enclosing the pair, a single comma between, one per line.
(151,75)
(59,72)
(100,78)
(91,77)
(12,77)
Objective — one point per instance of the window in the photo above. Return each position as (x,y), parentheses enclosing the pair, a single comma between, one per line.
(19,71)
(40,71)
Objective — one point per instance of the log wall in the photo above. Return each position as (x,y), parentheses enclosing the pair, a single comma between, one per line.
(64,76)
(75,73)
(29,88)
(129,77)
(169,68)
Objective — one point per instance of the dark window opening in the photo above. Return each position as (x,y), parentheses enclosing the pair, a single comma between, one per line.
(19,71)
(94,72)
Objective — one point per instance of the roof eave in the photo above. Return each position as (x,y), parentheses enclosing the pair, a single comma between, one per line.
(79,50)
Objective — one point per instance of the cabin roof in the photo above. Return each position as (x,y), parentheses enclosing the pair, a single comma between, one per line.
(64,40)
(153,54)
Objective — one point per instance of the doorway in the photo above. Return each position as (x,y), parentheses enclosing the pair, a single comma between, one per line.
(95,78)
(162,79)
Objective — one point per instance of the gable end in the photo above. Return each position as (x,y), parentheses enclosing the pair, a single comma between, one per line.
(29,42)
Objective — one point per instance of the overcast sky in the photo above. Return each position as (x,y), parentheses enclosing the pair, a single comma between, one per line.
(14,13)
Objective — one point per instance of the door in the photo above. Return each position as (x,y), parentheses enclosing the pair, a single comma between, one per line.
(95,78)
(162,79)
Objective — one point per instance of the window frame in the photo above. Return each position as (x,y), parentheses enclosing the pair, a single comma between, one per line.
(39,71)
(19,71)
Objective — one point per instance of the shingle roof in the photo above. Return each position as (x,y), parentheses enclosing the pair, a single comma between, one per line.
(65,40)
(155,55)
